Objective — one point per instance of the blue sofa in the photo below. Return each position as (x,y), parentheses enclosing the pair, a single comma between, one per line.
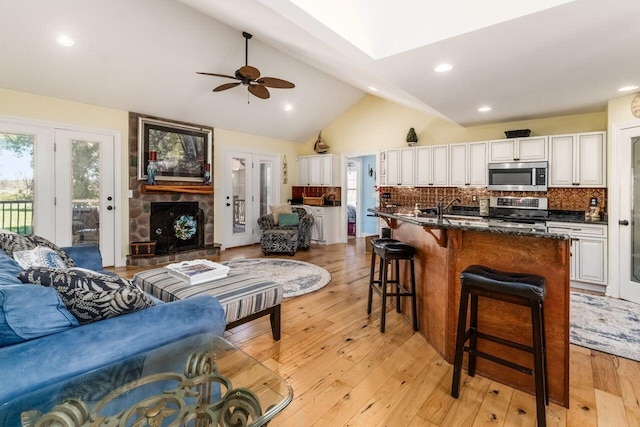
(55,348)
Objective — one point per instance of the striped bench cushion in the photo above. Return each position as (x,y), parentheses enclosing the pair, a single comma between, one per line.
(240,294)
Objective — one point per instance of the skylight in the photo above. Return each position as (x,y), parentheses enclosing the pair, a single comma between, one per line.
(385,28)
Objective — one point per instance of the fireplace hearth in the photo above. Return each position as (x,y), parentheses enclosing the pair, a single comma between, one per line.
(176,226)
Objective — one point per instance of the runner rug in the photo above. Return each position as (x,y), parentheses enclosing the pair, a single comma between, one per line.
(606,324)
(297,277)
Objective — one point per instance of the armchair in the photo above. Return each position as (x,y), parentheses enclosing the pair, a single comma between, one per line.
(282,238)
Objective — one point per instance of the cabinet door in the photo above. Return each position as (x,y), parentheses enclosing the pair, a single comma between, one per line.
(561,161)
(392,168)
(423,166)
(477,164)
(406,166)
(315,170)
(590,160)
(440,165)
(303,170)
(327,169)
(591,261)
(458,165)
(532,149)
(502,150)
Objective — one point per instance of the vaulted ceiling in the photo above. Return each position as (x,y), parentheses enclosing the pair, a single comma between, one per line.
(556,57)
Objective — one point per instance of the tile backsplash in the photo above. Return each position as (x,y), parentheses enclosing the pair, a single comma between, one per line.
(571,199)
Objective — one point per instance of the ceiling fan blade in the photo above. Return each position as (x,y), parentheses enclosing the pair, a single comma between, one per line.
(226,86)
(275,83)
(259,91)
(250,72)
(217,75)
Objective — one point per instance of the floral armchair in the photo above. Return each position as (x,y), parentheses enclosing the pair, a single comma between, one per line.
(305,222)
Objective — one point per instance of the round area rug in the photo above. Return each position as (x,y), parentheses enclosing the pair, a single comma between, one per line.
(296,277)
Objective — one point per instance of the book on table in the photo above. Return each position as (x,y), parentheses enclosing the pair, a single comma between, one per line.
(197,271)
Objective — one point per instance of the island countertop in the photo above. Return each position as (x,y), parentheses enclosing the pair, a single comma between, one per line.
(444,248)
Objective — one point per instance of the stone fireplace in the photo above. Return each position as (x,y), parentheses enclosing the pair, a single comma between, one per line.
(175,206)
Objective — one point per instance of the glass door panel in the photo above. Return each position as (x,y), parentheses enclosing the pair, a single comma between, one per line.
(635,210)
(239,194)
(85,192)
(16,182)
(266,171)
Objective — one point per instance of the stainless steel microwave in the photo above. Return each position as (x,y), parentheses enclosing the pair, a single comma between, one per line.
(520,176)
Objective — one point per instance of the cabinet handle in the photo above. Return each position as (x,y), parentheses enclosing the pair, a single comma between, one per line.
(623,222)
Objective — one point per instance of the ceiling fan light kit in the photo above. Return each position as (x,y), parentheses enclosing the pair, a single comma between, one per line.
(250,76)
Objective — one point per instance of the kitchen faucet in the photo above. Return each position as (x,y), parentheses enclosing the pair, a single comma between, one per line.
(441,210)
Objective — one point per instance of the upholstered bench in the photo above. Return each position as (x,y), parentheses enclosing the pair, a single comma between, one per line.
(244,297)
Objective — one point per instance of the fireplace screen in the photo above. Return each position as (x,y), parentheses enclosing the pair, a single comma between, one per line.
(176,226)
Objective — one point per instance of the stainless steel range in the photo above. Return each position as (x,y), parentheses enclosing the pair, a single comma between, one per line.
(528,213)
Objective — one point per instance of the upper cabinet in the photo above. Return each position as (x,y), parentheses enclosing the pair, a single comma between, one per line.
(518,149)
(399,166)
(468,164)
(432,163)
(577,160)
(319,170)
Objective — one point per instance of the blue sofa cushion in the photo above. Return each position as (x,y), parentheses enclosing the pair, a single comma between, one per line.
(31,311)
(85,256)
(9,270)
(88,296)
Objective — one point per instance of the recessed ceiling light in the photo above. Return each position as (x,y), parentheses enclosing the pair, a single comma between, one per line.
(442,68)
(372,89)
(65,40)
(627,88)
(288,107)
(484,109)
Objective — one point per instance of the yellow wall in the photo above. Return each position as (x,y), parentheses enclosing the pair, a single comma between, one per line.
(619,109)
(376,124)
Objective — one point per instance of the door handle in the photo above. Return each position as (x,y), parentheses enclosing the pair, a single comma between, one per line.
(623,222)
(228,204)
(109,208)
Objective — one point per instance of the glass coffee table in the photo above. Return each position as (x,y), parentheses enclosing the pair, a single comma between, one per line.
(202,380)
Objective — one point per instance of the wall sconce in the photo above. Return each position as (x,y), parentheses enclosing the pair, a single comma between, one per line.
(371,171)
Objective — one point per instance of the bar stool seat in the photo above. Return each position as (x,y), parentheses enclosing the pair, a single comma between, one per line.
(392,250)
(522,289)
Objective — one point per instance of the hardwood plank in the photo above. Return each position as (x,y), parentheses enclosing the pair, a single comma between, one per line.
(611,411)
(582,400)
(604,372)
(493,410)
(522,410)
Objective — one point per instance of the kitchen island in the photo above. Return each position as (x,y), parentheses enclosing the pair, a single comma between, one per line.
(446,246)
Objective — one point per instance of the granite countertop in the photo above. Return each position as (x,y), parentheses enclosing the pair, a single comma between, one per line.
(455,222)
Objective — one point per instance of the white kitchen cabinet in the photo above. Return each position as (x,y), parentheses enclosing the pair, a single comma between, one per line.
(400,166)
(588,253)
(432,165)
(529,149)
(468,164)
(577,160)
(319,170)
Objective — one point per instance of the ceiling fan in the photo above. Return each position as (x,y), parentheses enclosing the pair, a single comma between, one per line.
(250,76)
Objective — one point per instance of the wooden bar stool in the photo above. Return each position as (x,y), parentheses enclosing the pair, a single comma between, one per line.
(522,289)
(392,250)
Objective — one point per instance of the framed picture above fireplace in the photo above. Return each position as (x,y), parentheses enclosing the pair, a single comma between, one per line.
(182,152)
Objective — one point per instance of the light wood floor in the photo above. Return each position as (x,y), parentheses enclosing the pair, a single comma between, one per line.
(344,372)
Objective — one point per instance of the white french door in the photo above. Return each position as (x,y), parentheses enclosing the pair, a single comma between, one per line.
(58,184)
(85,203)
(629,223)
(250,187)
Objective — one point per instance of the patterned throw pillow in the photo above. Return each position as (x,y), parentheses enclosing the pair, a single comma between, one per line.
(40,256)
(90,297)
(11,242)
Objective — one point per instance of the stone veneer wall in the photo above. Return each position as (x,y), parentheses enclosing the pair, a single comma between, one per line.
(140,207)
(570,199)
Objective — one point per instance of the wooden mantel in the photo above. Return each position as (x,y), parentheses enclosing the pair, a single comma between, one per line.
(192,189)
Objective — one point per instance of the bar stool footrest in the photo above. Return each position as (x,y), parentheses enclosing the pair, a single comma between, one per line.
(500,361)
(503,341)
